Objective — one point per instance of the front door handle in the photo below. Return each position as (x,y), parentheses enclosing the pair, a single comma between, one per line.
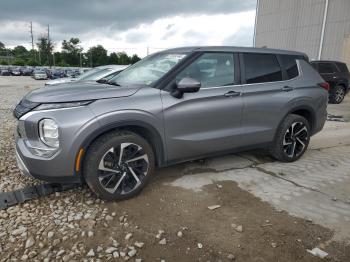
(232,93)
(287,88)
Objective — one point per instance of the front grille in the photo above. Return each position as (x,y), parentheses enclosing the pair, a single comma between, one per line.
(23,107)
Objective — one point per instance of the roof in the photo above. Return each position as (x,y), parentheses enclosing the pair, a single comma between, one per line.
(326,61)
(233,49)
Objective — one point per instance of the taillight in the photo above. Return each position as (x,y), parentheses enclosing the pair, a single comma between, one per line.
(324,85)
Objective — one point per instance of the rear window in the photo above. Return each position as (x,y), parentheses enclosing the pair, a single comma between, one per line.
(342,67)
(325,68)
(290,65)
(261,68)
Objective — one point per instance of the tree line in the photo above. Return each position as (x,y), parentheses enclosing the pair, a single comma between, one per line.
(71,54)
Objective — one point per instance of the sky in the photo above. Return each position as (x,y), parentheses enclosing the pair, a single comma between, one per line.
(133,26)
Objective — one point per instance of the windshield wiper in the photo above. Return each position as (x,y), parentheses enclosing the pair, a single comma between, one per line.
(104,81)
(112,83)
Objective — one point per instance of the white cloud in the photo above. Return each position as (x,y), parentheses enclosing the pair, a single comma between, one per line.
(174,31)
(178,31)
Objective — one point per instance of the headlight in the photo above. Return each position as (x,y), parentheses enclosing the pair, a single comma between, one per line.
(62,105)
(48,131)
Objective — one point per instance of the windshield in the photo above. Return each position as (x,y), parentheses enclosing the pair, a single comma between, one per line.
(94,74)
(148,70)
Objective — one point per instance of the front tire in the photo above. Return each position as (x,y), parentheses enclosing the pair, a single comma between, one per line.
(292,139)
(118,165)
(336,95)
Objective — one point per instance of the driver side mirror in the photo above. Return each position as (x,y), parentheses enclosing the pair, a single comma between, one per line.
(188,85)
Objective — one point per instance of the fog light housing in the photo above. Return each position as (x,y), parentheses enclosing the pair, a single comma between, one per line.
(48,131)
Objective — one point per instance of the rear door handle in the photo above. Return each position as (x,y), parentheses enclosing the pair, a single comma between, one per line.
(232,93)
(287,88)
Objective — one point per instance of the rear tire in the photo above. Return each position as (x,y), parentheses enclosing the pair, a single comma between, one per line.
(292,139)
(118,165)
(336,94)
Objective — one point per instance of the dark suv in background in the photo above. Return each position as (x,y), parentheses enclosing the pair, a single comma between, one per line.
(170,107)
(337,75)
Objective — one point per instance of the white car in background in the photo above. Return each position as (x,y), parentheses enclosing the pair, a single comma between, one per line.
(94,74)
(40,74)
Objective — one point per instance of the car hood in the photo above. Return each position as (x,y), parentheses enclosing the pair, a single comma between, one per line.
(60,81)
(79,91)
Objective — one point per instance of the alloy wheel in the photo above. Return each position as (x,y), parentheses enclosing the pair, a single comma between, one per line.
(339,94)
(295,139)
(123,168)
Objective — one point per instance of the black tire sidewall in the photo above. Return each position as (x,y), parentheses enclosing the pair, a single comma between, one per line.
(277,150)
(333,92)
(99,148)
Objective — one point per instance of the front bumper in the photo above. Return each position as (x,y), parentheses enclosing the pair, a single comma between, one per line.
(49,164)
(22,166)
(42,169)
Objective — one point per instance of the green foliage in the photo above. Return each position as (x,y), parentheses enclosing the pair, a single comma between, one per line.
(71,51)
(71,55)
(32,62)
(19,62)
(45,47)
(97,56)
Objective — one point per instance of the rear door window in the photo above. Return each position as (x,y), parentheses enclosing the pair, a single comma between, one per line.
(261,68)
(290,65)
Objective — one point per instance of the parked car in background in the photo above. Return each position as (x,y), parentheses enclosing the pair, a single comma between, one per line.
(173,106)
(337,75)
(40,74)
(5,72)
(73,73)
(27,71)
(16,71)
(94,74)
(56,73)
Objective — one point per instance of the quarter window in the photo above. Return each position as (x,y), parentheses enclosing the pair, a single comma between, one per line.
(290,65)
(260,68)
(342,67)
(211,69)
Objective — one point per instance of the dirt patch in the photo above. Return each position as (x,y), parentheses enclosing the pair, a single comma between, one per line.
(268,235)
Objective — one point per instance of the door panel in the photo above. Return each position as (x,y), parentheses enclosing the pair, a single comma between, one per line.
(264,106)
(267,98)
(202,123)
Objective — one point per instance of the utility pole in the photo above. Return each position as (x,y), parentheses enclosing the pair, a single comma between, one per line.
(32,38)
(81,64)
(48,45)
(90,59)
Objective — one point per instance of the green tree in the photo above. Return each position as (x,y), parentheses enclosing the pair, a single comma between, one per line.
(19,62)
(71,51)
(113,58)
(2,46)
(123,58)
(45,47)
(135,58)
(21,52)
(97,56)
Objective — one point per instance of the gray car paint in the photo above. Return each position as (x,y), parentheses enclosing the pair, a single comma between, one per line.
(198,124)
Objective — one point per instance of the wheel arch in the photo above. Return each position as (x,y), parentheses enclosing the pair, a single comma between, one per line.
(148,132)
(305,111)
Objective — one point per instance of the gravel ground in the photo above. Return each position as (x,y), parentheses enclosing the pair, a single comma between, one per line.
(222,222)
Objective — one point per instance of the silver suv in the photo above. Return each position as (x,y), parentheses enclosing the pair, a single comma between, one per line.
(173,106)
